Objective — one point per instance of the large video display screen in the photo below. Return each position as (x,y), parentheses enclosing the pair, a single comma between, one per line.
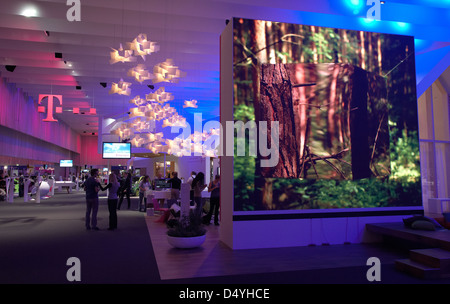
(113,150)
(346,106)
(68,163)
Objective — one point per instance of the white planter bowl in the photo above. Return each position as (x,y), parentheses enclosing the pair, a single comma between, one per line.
(186,242)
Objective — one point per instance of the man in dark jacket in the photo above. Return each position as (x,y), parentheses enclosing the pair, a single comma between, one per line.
(92,187)
(125,189)
(175,183)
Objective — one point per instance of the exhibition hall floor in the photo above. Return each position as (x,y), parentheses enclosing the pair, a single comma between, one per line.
(38,239)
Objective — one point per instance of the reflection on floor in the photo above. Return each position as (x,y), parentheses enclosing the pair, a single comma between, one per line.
(214,258)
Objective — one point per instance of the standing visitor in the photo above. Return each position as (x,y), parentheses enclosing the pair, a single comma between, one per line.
(144,185)
(189,181)
(126,190)
(175,184)
(214,188)
(113,187)
(92,187)
(198,186)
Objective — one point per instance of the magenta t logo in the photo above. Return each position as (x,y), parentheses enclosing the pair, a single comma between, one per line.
(41,109)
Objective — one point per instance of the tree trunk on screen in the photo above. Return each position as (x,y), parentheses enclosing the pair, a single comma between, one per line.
(278,106)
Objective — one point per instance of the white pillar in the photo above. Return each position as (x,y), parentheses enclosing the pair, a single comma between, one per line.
(38,189)
(185,200)
(26,185)
(10,190)
(51,183)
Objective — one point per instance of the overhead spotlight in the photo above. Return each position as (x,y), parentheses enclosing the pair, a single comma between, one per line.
(58,55)
(93,133)
(47,33)
(78,87)
(10,68)
(84,131)
(29,12)
(103,84)
(227,21)
(382,2)
(151,86)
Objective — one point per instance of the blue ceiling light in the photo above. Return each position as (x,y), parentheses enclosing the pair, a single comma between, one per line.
(355,5)
(420,43)
(401,26)
(367,22)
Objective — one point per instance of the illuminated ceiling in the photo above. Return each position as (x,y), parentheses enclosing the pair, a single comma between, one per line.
(187,31)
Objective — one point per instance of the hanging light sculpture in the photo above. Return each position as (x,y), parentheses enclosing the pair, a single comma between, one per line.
(142,47)
(160,96)
(190,104)
(140,74)
(121,55)
(167,72)
(121,88)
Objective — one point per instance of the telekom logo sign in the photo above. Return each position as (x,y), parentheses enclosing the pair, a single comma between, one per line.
(50,99)
(57,108)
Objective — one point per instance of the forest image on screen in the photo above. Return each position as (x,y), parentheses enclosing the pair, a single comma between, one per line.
(346,105)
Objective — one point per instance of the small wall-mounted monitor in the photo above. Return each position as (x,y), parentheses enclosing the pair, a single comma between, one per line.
(116,150)
(162,183)
(66,163)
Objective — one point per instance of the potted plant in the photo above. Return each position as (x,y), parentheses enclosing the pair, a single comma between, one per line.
(187,232)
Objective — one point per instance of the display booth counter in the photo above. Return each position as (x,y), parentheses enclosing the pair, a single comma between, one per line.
(64,184)
(183,201)
(161,197)
(162,194)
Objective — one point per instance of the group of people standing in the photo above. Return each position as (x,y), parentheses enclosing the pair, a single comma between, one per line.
(197,182)
(92,186)
(119,189)
(116,190)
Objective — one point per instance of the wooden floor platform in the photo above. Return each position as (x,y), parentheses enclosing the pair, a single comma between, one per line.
(214,258)
(432,239)
(429,263)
